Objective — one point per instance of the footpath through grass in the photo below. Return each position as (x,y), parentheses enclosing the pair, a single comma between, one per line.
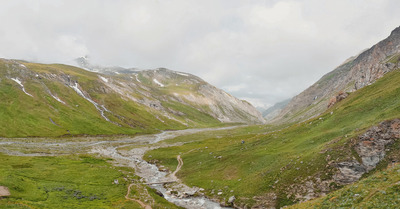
(270,162)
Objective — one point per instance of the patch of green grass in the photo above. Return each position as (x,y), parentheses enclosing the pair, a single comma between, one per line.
(273,158)
(67,182)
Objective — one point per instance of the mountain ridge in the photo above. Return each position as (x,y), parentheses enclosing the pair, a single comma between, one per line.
(59,97)
(357,72)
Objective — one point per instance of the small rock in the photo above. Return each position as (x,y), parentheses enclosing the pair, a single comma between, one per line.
(219,193)
(219,157)
(231,199)
(4,191)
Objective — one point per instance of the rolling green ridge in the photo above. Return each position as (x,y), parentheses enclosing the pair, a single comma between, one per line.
(273,162)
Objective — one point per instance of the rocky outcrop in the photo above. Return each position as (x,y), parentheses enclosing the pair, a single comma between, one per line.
(371,148)
(341,96)
(357,72)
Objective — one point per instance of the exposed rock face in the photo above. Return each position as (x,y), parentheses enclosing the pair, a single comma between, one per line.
(352,75)
(371,148)
(349,172)
(371,145)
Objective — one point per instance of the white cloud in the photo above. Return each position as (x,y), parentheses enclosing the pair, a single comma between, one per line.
(265,51)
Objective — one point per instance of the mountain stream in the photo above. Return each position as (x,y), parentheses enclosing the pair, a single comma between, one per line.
(119,149)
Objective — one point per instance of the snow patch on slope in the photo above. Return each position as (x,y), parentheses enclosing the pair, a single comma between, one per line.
(58,99)
(136,75)
(158,83)
(103,79)
(20,83)
(182,74)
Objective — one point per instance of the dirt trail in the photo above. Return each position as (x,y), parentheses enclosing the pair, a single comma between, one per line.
(178,168)
(138,201)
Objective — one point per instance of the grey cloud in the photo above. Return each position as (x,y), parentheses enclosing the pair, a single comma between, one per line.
(262,51)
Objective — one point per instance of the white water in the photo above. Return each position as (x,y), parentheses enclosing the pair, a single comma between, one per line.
(100,108)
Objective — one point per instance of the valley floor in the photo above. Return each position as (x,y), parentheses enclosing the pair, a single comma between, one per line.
(92,172)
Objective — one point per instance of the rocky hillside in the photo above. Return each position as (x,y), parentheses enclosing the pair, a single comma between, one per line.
(355,73)
(52,100)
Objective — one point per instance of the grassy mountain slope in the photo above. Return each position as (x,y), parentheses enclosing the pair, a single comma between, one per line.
(53,100)
(277,166)
(24,115)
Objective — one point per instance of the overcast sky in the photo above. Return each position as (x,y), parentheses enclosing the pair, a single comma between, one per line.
(263,51)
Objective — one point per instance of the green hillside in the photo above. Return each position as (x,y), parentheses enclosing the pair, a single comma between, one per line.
(273,163)
(40,114)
